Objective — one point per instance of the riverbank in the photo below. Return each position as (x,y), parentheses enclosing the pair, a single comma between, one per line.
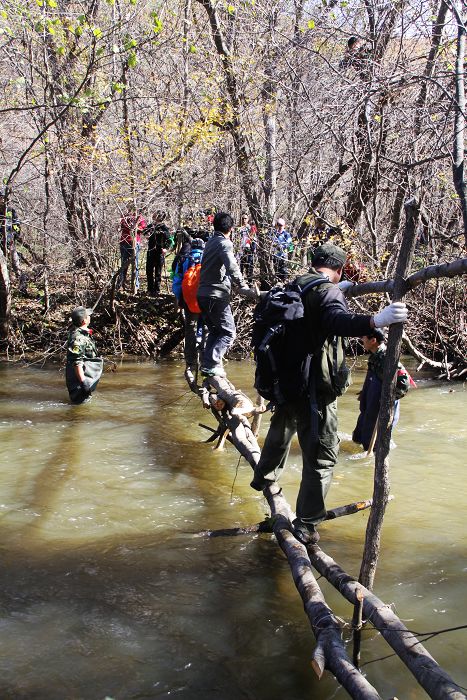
(136,325)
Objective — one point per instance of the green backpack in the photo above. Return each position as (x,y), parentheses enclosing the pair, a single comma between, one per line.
(331,371)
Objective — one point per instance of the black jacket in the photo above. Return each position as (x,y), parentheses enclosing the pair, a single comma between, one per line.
(327,311)
(159,238)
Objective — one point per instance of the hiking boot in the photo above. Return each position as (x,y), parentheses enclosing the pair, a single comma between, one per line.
(259,483)
(305,533)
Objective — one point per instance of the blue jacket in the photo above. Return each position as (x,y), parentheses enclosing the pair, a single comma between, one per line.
(370,399)
(281,242)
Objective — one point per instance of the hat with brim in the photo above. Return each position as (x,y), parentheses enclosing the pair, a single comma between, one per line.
(79,314)
(329,255)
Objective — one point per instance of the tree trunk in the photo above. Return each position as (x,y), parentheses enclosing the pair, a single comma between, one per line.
(269,97)
(242,149)
(458,166)
(5,299)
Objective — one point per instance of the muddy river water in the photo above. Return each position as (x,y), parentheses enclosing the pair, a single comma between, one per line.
(108,591)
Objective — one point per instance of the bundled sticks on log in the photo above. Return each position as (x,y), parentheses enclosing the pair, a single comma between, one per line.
(231,408)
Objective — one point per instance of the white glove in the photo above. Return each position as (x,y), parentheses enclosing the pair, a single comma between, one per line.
(345,285)
(394,313)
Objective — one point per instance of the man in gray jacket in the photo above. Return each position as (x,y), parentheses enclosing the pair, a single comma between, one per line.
(219,270)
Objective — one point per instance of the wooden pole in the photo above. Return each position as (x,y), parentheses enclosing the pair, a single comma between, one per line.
(357,627)
(369,451)
(256,422)
(386,411)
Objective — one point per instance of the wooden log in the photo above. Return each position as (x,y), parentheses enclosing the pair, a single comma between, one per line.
(326,628)
(264,526)
(234,423)
(230,408)
(191,380)
(449,270)
(437,683)
(239,403)
(221,440)
(318,660)
(243,439)
(267,525)
(215,434)
(349,509)
(369,451)
(204,396)
(256,422)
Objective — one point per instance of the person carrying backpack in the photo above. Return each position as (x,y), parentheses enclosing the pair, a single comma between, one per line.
(190,275)
(159,243)
(219,270)
(370,395)
(311,411)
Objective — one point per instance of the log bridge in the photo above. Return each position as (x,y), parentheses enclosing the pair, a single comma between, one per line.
(238,423)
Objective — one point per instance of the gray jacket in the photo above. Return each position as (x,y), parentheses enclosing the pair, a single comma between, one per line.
(219,269)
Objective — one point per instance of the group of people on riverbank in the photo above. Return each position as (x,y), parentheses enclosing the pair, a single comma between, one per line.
(311,412)
(161,241)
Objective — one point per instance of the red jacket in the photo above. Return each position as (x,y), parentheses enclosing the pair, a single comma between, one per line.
(131,226)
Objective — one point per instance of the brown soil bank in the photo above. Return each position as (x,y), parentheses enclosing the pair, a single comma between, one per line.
(147,326)
(132,325)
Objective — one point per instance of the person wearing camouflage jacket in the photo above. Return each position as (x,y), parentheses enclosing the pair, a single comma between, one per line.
(83,365)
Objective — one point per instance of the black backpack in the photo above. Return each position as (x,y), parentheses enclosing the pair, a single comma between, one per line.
(283,350)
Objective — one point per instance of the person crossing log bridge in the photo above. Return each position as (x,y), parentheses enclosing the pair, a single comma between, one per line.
(299,349)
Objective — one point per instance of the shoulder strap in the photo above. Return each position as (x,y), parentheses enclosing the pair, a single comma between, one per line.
(313,283)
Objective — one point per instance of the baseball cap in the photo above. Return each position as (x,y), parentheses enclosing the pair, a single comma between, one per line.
(329,255)
(377,333)
(79,314)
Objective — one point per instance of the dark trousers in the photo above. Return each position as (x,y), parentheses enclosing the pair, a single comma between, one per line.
(246,266)
(154,267)
(191,321)
(219,321)
(319,452)
(80,391)
(281,268)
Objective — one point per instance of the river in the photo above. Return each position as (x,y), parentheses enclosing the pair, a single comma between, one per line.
(108,591)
